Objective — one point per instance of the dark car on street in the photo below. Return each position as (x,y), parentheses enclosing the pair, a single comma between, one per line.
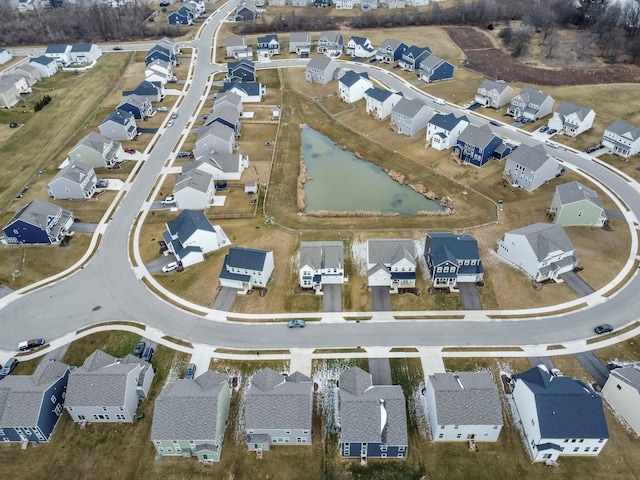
(604,328)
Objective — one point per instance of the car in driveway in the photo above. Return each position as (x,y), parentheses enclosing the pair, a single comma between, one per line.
(129,150)
(29,344)
(170,200)
(139,349)
(591,149)
(9,366)
(191,372)
(604,328)
(14,125)
(170,267)
(297,323)
(102,183)
(162,109)
(466,105)
(543,129)
(147,356)
(552,131)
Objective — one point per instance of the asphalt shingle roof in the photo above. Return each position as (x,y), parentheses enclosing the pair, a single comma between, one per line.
(187,223)
(390,250)
(572,192)
(629,374)
(409,108)
(566,108)
(489,85)
(545,238)
(379,94)
(247,258)
(350,77)
(194,179)
(624,129)
(476,136)
(451,247)
(530,157)
(300,37)
(319,255)
(121,117)
(532,95)
(447,122)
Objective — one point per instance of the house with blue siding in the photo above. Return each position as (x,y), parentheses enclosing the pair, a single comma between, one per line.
(245,268)
(269,45)
(161,51)
(412,57)
(433,69)
(246,12)
(30,405)
(243,70)
(452,259)
(183,16)
(38,223)
(154,91)
(137,105)
(476,145)
(390,51)
(373,418)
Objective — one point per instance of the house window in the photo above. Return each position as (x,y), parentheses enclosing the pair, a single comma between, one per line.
(459,435)
(383,448)
(120,417)
(53,399)
(546,456)
(104,408)
(81,417)
(618,387)
(441,435)
(455,427)
(71,409)
(383,455)
(439,269)
(533,422)
(400,455)
(158,442)
(250,432)
(495,427)
(161,449)
(169,450)
(287,432)
(59,409)
(579,214)
(576,449)
(301,440)
(347,449)
(586,449)
(306,432)
(595,449)
(581,440)
(122,409)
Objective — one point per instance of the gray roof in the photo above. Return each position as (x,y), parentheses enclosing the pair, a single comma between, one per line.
(299,37)
(533,95)
(572,192)
(466,398)
(218,130)
(21,395)
(235,41)
(58,48)
(529,157)
(361,417)
(497,85)
(566,108)
(332,37)
(225,162)
(476,136)
(136,100)
(319,255)
(43,60)
(390,250)
(431,62)
(409,108)
(629,374)
(195,179)
(75,172)
(276,402)
(224,112)
(545,238)
(95,141)
(390,44)
(187,409)
(320,63)
(37,212)
(624,129)
(81,47)
(121,117)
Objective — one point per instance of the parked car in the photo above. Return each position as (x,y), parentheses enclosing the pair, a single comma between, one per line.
(543,128)
(184,154)
(170,267)
(170,200)
(466,105)
(373,60)
(147,356)
(552,131)
(591,149)
(495,123)
(604,328)
(170,123)
(298,323)
(139,349)
(14,125)
(174,115)
(9,366)
(29,344)
(556,373)
(102,183)
(162,109)
(117,47)
(552,144)
(172,80)
(439,101)
(129,150)
(191,372)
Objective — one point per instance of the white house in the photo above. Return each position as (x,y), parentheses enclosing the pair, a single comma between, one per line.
(542,250)
(190,236)
(321,263)
(236,47)
(622,139)
(75,181)
(344,4)
(18,81)
(119,125)
(60,53)
(493,94)
(360,47)
(217,137)
(159,71)
(391,263)
(463,406)
(82,53)
(572,119)
(622,391)
(530,167)
(194,189)
(331,44)
(249,92)
(352,85)
(300,43)
(5,56)
(245,268)
(558,415)
(221,166)
(531,104)
(380,102)
(443,130)
(47,66)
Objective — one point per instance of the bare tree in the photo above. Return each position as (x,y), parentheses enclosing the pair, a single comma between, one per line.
(520,41)
(541,18)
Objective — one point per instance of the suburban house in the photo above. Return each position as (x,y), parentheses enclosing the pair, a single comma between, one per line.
(190,416)
(30,405)
(96,150)
(493,94)
(391,263)
(228,99)
(268,45)
(531,104)
(622,139)
(390,51)
(278,410)
(191,235)
(249,92)
(542,250)
(217,137)
(575,204)
(443,130)
(476,145)
(410,116)
(322,3)
(558,415)
(360,47)
(246,11)
(221,166)
(243,70)
(301,3)
(21,83)
(37,223)
(433,69)
(300,43)
(622,392)
(75,181)
(194,189)
(452,259)
(380,102)
(373,418)
(9,95)
(47,66)
(278,3)
(395,3)
(140,107)
(226,115)
(412,56)
(367,5)
(331,44)
(5,56)
(321,263)
(107,389)
(159,71)
(119,125)
(29,72)
(320,70)
(236,47)
(529,167)
(344,4)
(572,119)
(82,53)
(245,268)
(61,53)
(463,406)
(182,16)
(154,91)
(164,51)
(352,85)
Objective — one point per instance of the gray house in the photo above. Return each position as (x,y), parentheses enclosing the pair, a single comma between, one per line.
(529,167)
(320,70)
(216,137)
(410,116)
(76,181)
(29,72)
(96,150)
(300,43)
(331,44)
(321,263)
(236,47)
(493,94)
(531,104)
(119,125)
(194,189)
(190,416)
(622,139)
(278,410)
(575,204)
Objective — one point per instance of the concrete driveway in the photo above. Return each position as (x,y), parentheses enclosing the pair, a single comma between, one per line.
(577,284)
(4,291)
(380,370)
(546,361)
(614,214)
(594,366)
(381,299)
(155,266)
(225,299)
(83,227)
(470,296)
(332,298)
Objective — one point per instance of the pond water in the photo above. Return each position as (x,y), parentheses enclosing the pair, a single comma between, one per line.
(340,182)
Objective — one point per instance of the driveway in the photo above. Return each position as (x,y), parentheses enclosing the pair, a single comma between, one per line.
(155,266)
(148,130)
(332,298)
(546,361)
(615,214)
(161,206)
(594,366)
(4,291)
(56,354)
(381,299)
(577,284)
(83,227)
(225,299)
(380,370)
(469,296)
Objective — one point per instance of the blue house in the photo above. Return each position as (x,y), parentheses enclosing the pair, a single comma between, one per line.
(154,91)
(249,92)
(30,405)
(322,3)
(246,12)
(243,70)
(269,44)
(38,223)
(476,145)
(412,57)
(160,52)
(433,69)
(452,259)
(390,51)
(182,16)
(503,150)
(373,418)
(137,105)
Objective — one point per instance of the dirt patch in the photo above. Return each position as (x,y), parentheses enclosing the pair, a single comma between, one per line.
(483,56)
